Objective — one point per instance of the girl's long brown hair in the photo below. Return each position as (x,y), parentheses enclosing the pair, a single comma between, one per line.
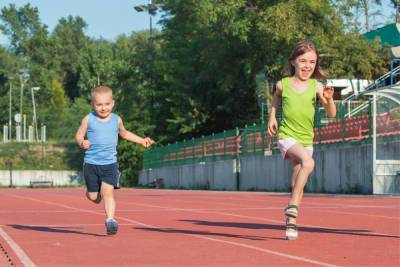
(301,48)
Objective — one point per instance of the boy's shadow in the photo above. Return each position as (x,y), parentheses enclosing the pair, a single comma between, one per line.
(282,228)
(63,230)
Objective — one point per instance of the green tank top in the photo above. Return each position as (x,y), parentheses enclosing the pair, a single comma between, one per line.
(298,111)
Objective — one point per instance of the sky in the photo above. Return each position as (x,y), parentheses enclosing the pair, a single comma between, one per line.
(105,18)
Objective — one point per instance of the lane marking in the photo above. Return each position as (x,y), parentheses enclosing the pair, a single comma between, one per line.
(270,220)
(23,258)
(289,256)
(69,225)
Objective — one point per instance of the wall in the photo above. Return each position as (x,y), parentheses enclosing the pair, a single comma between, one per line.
(345,169)
(218,175)
(23,178)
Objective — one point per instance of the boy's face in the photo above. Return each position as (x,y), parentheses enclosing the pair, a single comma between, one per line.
(103,104)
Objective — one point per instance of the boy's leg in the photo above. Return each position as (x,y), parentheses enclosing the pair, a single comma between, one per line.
(110,181)
(94,196)
(107,191)
(92,183)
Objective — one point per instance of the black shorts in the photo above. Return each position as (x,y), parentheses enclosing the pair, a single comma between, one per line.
(95,174)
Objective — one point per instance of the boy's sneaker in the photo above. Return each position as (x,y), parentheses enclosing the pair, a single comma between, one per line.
(112,226)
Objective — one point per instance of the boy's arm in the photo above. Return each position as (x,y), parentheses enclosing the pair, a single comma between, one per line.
(325,95)
(273,123)
(127,135)
(80,134)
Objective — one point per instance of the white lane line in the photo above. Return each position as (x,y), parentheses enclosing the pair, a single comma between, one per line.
(360,214)
(305,225)
(289,256)
(276,201)
(267,251)
(267,208)
(268,220)
(200,209)
(69,225)
(24,259)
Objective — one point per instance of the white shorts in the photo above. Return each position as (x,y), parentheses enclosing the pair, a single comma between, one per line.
(288,142)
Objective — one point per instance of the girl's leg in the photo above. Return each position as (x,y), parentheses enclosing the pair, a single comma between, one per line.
(304,168)
(303,165)
(107,191)
(295,171)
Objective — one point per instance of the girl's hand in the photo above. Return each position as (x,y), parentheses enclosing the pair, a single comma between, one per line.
(85,144)
(328,92)
(272,126)
(147,142)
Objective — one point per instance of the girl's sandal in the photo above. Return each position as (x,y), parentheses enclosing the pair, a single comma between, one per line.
(292,211)
(291,230)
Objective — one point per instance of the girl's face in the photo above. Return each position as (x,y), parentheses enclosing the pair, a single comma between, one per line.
(304,65)
(103,104)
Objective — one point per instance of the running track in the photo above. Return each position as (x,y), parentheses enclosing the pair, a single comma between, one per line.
(59,227)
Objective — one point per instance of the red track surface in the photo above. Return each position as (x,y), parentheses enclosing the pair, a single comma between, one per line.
(59,227)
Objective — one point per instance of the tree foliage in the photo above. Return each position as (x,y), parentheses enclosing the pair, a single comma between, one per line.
(194,77)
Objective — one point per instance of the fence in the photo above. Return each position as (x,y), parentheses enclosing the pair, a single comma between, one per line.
(254,139)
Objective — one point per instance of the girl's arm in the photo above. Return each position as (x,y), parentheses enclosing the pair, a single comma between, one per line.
(127,135)
(325,95)
(273,123)
(80,134)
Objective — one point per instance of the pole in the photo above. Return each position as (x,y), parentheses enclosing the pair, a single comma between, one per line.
(398,11)
(10,169)
(374,177)
(21,92)
(34,115)
(262,112)
(10,115)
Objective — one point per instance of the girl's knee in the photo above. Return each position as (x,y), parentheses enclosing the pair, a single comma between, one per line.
(308,164)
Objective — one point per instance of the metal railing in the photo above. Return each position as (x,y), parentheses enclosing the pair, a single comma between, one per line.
(255,140)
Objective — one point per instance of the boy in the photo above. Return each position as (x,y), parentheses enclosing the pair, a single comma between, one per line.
(100,170)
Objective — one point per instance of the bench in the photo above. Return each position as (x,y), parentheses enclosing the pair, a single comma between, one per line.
(41,182)
(156,183)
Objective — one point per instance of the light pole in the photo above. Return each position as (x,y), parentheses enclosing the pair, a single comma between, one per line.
(23,78)
(10,110)
(36,88)
(151,9)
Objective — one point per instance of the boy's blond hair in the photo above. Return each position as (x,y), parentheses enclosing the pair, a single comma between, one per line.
(100,90)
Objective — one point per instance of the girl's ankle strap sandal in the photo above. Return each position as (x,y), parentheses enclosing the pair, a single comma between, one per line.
(291,231)
(292,211)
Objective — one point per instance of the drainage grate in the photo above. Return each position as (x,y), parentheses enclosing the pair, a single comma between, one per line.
(6,256)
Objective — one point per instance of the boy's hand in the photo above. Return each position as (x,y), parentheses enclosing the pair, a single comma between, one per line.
(85,144)
(147,142)
(328,92)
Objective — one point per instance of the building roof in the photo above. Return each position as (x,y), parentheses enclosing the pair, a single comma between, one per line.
(389,34)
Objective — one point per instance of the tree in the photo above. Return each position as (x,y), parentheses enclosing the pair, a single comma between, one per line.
(368,11)
(96,65)
(20,25)
(69,40)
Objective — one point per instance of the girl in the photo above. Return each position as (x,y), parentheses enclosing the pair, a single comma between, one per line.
(298,93)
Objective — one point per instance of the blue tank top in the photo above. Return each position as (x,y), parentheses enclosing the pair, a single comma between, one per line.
(103,137)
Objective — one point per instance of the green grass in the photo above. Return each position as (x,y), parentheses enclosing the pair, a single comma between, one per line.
(31,156)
